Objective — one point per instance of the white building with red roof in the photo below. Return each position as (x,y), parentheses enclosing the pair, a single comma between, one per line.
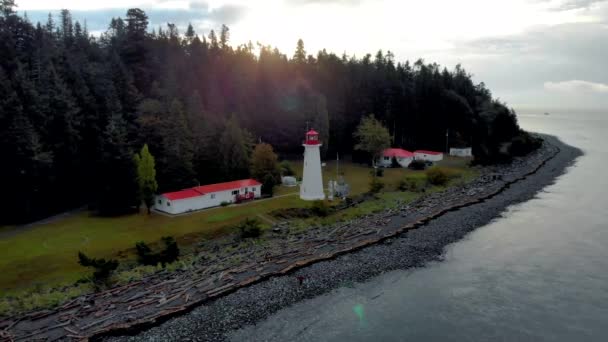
(403,157)
(425,155)
(207,196)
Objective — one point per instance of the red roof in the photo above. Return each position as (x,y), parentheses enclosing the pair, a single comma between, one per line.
(205,189)
(312,132)
(427,152)
(183,194)
(397,152)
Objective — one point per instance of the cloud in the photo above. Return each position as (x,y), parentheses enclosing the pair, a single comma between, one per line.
(228,14)
(576,4)
(198,12)
(198,5)
(324,2)
(576,86)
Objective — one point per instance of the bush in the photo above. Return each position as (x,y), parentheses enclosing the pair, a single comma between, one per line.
(286,168)
(102,267)
(523,144)
(268,185)
(395,163)
(320,208)
(169,254)
(417,165)
(145,255)
(437,176)
(250,228)
(375,185)
(410,184)
(225,204)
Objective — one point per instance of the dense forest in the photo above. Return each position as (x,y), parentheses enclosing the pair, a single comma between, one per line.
(75,108)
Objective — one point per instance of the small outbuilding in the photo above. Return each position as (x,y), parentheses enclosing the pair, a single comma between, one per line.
(425,155)
(289,181)
(207,196)
(461,152)
(403,157)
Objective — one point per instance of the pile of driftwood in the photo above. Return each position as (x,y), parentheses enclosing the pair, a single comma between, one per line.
(163,295)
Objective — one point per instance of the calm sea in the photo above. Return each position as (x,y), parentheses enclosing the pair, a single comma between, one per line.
(538,273)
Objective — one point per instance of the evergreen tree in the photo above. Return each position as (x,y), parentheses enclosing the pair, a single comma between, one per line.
(118,184)
(224,37)
(146,177)
(6,7)
(300,55)
(234,149)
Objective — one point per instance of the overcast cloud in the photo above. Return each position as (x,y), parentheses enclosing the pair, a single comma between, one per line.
(530,53)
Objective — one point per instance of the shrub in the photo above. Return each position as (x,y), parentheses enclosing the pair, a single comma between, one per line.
(102,267)
(166,256)
(268,185)
(225,204)
(320,208)
(410,184)
(437,176)
(523,144)
(286,168)
(171,252)
(417,165)
(145,255)
(395,163)
(375,185)
(250,228)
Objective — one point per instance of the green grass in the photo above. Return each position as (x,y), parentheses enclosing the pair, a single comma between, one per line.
(45,256)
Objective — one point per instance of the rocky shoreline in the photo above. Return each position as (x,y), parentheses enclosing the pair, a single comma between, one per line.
(221,300)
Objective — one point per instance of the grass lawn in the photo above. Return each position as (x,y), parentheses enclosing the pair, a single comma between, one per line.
(46,255)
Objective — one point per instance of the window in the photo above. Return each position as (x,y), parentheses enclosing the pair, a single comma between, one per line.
(235,192)
(246,190)
(168,204)
(212,196)
(160,202)
(387,158)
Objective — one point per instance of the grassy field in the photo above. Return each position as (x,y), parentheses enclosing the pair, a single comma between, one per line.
(45,255)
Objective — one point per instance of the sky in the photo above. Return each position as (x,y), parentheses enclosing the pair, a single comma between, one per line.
(532,54)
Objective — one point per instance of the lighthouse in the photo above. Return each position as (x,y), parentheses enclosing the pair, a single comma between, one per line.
(312,180)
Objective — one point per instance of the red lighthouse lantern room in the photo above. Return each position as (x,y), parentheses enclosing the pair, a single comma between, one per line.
(312,138)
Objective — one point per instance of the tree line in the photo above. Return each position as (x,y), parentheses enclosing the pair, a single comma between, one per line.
(75,108)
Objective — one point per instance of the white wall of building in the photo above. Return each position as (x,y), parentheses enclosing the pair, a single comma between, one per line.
(202,202)
(461,152)
(428,157)
(388,161)
(312,178)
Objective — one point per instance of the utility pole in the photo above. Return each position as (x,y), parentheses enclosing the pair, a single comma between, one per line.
(447,141)
(337,165)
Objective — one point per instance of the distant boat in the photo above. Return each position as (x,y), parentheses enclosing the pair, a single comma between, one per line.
(546,113)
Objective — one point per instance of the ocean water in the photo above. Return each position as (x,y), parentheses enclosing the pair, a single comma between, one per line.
(537,273)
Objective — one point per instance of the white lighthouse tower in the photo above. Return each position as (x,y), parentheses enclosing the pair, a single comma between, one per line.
(312,180)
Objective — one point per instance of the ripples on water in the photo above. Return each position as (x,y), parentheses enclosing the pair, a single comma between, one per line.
(538,273)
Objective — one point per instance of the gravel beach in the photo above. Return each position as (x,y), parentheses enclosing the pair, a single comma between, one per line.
(215,320)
